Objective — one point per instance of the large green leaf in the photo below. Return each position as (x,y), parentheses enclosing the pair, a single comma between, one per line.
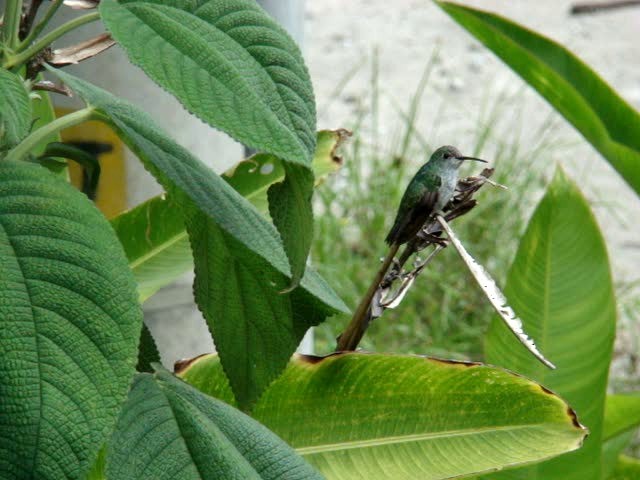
(560,285)
(69,326)
(372,416)
(255,327)
(153,233)
(215,214)
(169,430)
(184,175)
(621,419)
(292,213)
(15,110)
(610,124)
(228,62)
(234,67)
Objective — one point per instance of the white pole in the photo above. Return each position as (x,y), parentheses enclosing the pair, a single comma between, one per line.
(290,14)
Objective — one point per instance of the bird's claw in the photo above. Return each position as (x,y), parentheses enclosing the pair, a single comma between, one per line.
(428,238)
(442,242)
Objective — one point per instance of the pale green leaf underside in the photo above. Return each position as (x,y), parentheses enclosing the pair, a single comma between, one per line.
(561,287)
(169,431)
(609,123)
(97,471)
(359,416)
(155,242)
(69,326)
(15,110)
(228,62)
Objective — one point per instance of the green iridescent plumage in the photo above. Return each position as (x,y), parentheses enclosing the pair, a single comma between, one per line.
(429,191)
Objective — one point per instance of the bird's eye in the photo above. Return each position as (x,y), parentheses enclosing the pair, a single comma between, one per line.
(447,156)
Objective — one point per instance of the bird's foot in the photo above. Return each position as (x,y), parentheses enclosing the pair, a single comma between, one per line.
(443,242)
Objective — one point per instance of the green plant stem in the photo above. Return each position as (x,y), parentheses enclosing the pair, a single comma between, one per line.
(56,126)
(49,38)
(12,14)
(86,160)
(354,332)
(35,31)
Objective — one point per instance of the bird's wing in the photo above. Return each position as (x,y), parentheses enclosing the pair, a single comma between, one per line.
(423,201)
(428,201)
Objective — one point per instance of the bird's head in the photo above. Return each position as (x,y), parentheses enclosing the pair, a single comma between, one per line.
(451,156)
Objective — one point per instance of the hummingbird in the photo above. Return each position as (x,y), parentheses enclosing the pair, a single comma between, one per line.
(428,193)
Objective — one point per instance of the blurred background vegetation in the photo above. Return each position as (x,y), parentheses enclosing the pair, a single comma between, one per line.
(445,313)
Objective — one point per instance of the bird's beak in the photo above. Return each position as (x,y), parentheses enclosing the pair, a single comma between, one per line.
(472,158)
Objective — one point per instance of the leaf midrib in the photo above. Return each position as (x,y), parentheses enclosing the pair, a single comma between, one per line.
(412,438)
(155,251)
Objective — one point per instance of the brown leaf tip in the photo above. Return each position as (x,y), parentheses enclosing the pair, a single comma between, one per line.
(574,419)
(343,134)
(181,365)
(570,411)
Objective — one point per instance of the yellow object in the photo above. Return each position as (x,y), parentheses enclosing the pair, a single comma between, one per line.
(111,196)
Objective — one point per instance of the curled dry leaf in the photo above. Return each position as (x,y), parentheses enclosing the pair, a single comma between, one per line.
(495,295)
(49,86)
(81,51)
